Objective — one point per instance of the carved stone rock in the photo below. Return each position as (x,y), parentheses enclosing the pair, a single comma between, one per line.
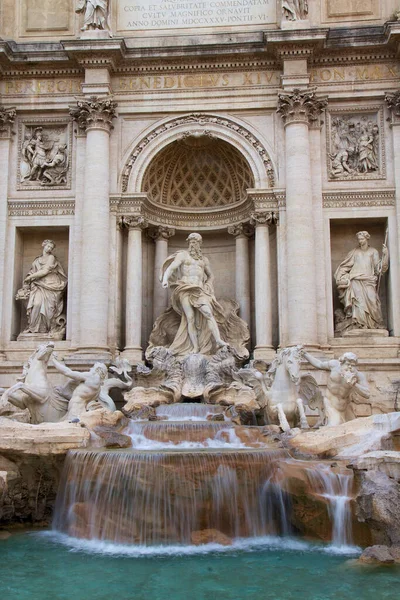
(300,106)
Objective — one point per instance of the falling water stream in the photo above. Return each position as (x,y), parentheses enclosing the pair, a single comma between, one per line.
(186,475)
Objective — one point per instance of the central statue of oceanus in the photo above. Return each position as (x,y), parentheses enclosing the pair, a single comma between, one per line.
(196,322)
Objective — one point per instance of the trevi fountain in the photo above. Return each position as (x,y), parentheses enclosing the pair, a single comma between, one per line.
(199,299)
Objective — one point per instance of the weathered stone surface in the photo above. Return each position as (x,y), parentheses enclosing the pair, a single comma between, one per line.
(377,505)
(385,461)
(4,535)
(111,438)
(43,439)
(377,555)
(104,418)
(210,536)
(348,440)
(139,397)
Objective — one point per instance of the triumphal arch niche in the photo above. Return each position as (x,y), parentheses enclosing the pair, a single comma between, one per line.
(271,128)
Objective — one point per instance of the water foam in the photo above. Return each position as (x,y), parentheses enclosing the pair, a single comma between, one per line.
(239,545)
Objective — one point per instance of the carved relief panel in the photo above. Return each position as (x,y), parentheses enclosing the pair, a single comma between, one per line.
(355,144)
(44,154)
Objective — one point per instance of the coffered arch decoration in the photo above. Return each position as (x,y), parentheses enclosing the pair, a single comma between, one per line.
(198,172)
(205,128)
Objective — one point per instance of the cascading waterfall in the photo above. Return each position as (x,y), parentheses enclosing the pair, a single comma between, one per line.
(162,498)
(186,474)
(189,411)
(336,489)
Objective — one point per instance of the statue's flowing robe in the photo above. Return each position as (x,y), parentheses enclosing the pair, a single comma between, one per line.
(45,303)
(359,297)
(171,328)
(95,12)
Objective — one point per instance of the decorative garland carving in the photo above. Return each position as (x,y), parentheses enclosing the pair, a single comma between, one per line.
(300,106)
(264,218)
(161,233)
(133,222)
(241,230)
(349,199)
(202,120)
(7,118)
(94,113)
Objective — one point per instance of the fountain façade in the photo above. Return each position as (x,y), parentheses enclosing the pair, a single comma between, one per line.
(206,448)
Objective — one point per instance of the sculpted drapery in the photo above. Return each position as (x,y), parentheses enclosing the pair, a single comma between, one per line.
(196,322)
(95,13)
(44,288)
(357,278)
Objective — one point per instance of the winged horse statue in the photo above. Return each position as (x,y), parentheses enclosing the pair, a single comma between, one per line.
(283,391)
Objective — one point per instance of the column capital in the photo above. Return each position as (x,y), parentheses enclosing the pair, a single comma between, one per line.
(241,230)
(161,233)
(264,218)
(94,113)
(133,222)
(7,118)
(393,102)
(300,106)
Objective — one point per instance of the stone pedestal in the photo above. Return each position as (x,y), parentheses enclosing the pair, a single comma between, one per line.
(133,316)
(161,236)
(95,117)
(298,109)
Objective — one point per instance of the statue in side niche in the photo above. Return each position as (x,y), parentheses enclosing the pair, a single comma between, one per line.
(295,10)
(357,278)
(95,13)
(196,322)
(343,381)
(43,288)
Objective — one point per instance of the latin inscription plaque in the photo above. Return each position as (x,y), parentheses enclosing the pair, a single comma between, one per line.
(177,14)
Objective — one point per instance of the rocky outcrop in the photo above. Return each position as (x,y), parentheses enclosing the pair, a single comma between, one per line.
(349,440)
(31,460)
(210,536)
(377,478)
(380,556)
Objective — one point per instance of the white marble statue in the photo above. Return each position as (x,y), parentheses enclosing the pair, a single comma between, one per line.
(95,13)
(35,392)
(344,379)
(92,390)
(357,279)
(295,10)
(44,288)
(196,321)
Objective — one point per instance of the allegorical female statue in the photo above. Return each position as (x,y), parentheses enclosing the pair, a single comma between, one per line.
(44,287)
(357,279)
(95,16)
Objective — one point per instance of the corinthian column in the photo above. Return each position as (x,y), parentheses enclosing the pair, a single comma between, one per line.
(7,117)
(298,109)
(242,232)
(94,116)
(161,236)
(393,101)
(263,292)
(133,315)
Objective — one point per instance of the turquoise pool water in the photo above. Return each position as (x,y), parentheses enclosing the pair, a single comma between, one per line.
(47,566)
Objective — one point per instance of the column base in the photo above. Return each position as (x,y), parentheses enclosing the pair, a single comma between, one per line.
(266,353)
(133,354)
